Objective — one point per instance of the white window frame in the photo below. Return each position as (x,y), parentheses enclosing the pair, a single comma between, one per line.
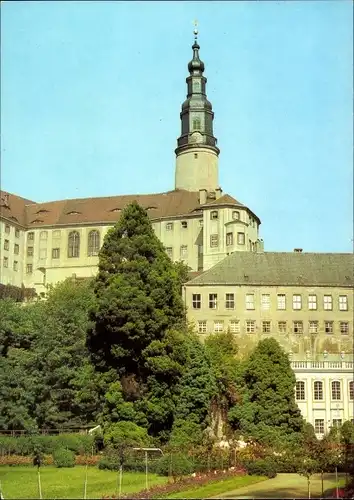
(281,302)
(214,240)
(234,326)
(351,390)
(196,301)
(280,329)
(250,301)
(265,302)
(213,300)
(169,251)
(327,303)
(266,326)
(300,390)
(183,251)
(319,426)
(169,226)
(235,215)
(344,327)
(218,326)
(329,325)
(318,390)
(229,301)
(343,303)
(297,302)
(202,326)
(241,238)
(250,326)
(313,326)
(299,326)
(335,391)
(229,239)
(312,302)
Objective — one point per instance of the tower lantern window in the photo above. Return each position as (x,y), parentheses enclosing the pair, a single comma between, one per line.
(196,124)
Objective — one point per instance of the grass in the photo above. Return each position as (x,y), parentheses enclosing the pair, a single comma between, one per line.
(22,482)
(217,487)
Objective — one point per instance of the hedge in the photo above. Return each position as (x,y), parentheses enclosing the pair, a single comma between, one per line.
(80,444)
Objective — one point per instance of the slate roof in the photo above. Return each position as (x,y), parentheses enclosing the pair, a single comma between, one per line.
(281,268)
(100,210)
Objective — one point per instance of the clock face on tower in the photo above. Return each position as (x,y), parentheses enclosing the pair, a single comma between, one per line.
(196,138)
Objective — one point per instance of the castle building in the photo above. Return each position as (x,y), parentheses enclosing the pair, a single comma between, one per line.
(304,300)
(43,243)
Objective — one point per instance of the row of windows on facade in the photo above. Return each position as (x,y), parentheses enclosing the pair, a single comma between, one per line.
(214,215)
(250,326)
(297,302)
(8,230)
(93,244)
(318,390)
(320,424)
(16,247)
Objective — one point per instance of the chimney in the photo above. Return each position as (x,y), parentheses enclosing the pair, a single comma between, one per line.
(298,250)
(218,192)
(202,196)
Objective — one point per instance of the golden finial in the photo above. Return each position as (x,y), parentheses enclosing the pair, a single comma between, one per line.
(195,30)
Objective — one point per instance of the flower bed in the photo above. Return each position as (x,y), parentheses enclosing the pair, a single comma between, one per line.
(194,481)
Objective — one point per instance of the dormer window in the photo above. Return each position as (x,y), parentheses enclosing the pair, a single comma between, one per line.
(116,210)
(73,212)
(169,226)
(37,221)
(184,224)
(214,215)
(151,208)
(236,215)
(42,211)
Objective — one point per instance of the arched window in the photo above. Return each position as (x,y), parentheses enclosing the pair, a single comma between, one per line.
(300,390)
(351,390)
(93,244)
(196,124)
(74,244)
(318,391)
(336,393)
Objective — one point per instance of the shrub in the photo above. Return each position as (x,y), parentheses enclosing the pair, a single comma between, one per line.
(175,465)
(80,444)
(262,467)
(64,458)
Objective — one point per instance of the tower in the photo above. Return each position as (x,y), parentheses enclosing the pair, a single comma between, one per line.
(196,152)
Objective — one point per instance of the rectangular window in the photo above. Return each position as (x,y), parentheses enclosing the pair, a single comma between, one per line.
(202,326)
(6,262)
(300,390)
(169,226)
(230,301)
(312,302)
(298,327)
(250,301)
(236,215)
(184,224)
(30,236)
(296,302)
(15,265)
(7,229)
(250,326)
(343,303)
(213,300)
(17,233)
(214,240)
(6,244)
(281,301)
(337,422)
(43,235)
(169,252)
(29,251)
(56,234)
(318,391)
(16,249)
(29,269)
(196,301)
(319,426)
(55,253)
(351,390)
(336,393)
(282,326)
(327,302)
(229,239)
(240,238)
(214,215)
(344,327)
(218,326)
(266,326)
(200,249)
(183,251)
(265,302)
(328,326)
(234,326)
(43,253)
(313,326)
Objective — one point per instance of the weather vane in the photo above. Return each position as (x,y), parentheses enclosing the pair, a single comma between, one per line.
(195,30)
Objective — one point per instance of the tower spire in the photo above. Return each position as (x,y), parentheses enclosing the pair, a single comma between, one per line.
(197,141)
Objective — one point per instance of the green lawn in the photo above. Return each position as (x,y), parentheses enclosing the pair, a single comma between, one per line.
(22,482)
(218,487)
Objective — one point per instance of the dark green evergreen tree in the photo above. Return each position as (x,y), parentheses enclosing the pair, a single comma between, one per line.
(268,412)
(138,295)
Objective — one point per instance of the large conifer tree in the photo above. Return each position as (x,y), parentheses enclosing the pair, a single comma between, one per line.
(138,294)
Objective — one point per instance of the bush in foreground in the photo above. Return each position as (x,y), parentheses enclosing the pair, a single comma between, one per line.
(64,458)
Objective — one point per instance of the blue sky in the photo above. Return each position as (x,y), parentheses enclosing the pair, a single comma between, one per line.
(91,95)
